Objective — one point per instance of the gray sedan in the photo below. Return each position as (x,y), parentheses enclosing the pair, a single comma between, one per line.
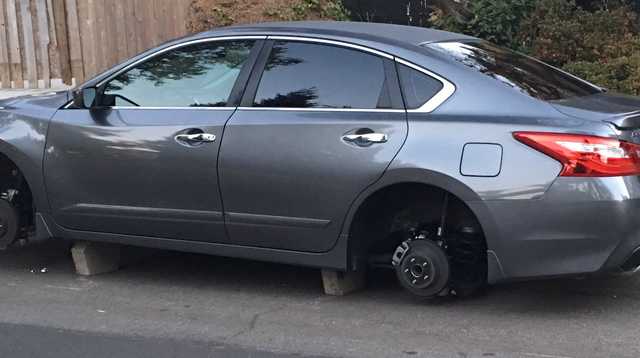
(337,145)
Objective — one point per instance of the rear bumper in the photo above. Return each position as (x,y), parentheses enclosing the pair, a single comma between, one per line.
(579,226)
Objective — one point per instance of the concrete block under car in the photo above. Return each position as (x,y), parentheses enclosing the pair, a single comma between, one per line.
(338,283)
(94,258)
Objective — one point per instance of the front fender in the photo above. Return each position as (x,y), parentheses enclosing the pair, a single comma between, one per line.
(23,130)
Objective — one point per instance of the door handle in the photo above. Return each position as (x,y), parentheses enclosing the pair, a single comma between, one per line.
(365,139)
(196,138)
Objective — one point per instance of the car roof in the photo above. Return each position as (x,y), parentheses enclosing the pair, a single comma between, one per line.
(386,33)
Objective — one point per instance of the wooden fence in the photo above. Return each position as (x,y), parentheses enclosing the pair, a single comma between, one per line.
(45,43)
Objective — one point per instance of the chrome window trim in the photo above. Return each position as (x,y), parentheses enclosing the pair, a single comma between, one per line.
(434,102)
(166,49)
(180,108)
(334,43)
(448,89)
(312,109)
(331,42)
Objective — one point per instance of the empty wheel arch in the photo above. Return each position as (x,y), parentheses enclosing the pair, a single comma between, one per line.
(391,215)
(17,211)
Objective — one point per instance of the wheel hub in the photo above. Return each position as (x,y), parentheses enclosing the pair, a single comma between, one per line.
(419,271)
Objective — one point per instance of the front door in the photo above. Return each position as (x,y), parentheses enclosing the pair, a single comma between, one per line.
(148,165)
(318,125)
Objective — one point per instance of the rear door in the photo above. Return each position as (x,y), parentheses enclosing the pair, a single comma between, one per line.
(148,165)
(320,121)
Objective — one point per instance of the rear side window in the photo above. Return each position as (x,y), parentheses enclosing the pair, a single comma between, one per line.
(305,75)
(417,87)
(517,71)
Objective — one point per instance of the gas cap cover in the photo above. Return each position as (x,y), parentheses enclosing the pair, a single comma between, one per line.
(481,160)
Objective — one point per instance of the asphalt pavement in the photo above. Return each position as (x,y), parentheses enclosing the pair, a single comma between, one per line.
(186,305)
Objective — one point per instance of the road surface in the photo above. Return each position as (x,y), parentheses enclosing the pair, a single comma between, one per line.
(186,305)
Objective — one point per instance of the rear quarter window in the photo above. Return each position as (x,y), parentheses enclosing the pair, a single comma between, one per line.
(417,87)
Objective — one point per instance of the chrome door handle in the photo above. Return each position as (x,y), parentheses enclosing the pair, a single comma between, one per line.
(196,138)
(366,138)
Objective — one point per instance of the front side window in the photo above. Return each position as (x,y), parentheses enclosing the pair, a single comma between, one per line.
(517,71)
(305,75)
(200,75)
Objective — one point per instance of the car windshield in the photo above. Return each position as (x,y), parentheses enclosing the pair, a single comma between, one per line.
(517,71)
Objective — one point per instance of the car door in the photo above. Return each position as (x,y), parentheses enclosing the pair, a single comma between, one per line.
(320,121)
(148,164)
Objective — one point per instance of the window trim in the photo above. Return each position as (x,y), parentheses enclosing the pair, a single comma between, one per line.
(448,88)
(254,81)
(331,42)
(177,46)
(167,49)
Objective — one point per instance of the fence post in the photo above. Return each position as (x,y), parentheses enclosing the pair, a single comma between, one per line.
(62,41)
(5,68)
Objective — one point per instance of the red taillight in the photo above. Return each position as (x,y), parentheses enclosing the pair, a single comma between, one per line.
(585,155)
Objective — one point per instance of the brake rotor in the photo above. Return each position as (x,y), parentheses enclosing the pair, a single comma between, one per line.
(422,267)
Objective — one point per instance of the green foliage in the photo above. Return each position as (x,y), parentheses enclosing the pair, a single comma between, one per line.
(558,32)
(495,20)
(620,74)
(600,44)
(310,9)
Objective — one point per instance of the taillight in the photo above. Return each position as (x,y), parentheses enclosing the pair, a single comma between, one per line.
(585,155)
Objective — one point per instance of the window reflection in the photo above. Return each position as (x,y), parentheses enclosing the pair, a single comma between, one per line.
(417,87)
(303,75)
(517,71)
(199,75)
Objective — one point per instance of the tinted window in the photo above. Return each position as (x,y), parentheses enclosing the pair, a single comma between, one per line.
(200,75)
(417,87)
(517,71)
(321,76)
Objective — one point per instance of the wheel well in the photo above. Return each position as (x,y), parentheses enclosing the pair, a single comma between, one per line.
(14,188)
(381,222)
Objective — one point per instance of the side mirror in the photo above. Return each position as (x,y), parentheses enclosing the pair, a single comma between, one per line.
(86,98)
(89,96)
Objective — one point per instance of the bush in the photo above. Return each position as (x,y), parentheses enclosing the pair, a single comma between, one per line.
(495,20)
(558,32)
(621,74)
(600,44)
(310,9)
(207,14)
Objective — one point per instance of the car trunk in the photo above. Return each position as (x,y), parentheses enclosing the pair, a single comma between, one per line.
(621,111)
